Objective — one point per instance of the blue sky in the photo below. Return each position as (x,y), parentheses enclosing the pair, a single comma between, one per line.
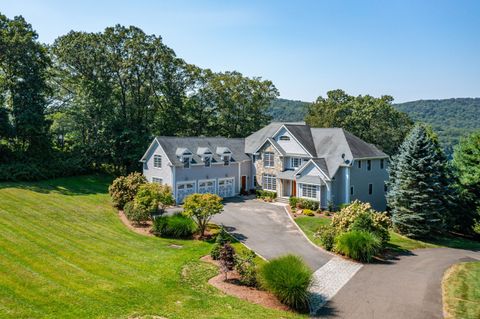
(408,49)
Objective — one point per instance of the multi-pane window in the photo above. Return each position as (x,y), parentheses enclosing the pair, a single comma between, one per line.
(370,189)
(309,191)
(157,180)
(268,160)
(369,165)
(295,162)
(269,182)
(359,164)
(208,161)
(382,163)
(157,161)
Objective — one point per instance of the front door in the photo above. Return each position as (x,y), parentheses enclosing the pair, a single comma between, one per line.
(244,183)
(294,189)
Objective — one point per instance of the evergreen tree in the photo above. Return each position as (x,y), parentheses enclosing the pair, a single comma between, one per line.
(419,194)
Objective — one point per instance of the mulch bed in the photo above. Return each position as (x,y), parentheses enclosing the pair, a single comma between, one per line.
(143,229)
(233,288)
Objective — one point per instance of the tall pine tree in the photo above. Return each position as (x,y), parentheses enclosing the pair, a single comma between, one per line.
(419,193)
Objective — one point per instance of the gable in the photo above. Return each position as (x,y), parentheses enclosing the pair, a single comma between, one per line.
(288,142)
(312,169)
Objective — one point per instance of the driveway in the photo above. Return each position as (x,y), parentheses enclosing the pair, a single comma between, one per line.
(268,230)
(409,287)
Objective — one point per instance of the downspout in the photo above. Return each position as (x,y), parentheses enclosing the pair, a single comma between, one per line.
(347,184)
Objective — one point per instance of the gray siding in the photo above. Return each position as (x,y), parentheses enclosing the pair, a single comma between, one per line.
(360,178)
(338,186)
(165,173)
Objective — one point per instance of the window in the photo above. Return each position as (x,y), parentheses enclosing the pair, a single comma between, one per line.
(370,189)
(382,163)
(309,191)
(385,188)
(226,160)
(359,164)
(157,180)
(351,190)
(157,161)
(295,162)
(268,160)
(255,183)
(369,165)
(269,182)
(284,138)
(186,162)
(208,161)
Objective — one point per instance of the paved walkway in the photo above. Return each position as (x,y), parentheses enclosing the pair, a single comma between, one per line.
(269,231)
(409,287)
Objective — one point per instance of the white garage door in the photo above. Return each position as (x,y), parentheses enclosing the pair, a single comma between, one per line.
(183,190)
(226,187)
(206,186)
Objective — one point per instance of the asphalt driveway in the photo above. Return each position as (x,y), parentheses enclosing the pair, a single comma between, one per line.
(409,287)
(268,230)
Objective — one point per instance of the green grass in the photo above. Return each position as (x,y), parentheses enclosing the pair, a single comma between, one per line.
(64,253)
(397,243)
(309,225)
(461,291)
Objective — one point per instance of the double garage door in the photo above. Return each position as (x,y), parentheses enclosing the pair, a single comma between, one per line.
(226,188)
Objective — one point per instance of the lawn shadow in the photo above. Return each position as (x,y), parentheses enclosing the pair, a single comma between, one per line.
(80,185)
(457,242)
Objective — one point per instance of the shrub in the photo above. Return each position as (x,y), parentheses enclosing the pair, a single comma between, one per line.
(260,193)
(174,226)
(227,258)
(222,236)
(247,269)
(124,189)
(288,278)
(152,195)
(215,252)
(293,202)
(135,214)
(326,234)
(308,212)
(303,203)
(362,217)
(358,245)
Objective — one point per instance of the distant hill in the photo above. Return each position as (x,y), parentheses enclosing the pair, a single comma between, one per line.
(450,118)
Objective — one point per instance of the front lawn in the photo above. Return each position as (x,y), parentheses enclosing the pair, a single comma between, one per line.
(64,253)
(461,291)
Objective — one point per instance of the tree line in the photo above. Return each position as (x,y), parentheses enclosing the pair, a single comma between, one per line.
(95,100)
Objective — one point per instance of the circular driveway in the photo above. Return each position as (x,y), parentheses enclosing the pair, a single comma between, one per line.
(268,230)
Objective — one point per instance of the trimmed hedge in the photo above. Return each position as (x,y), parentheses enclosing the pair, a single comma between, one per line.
(308,212)
(326,234)
(288,278)
(260,193)
(174,226)
(135,214)
(358,245)
(303,203)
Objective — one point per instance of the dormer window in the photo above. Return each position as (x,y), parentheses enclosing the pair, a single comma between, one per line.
(186,161)
(284,138)
(226,160)
(207,160)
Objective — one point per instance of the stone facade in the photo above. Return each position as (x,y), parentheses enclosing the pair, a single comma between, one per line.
(261,169)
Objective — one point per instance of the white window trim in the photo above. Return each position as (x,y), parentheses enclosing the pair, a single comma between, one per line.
(299,163)
(208,180)
(158,178)
(272,159)
(161,160)
(187,182)
(187,159)
(226,159)
(207,157)
(317,191)
(274,177)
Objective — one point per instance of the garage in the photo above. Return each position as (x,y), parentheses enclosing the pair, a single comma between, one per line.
(206,186)
(184,189)
(226,187)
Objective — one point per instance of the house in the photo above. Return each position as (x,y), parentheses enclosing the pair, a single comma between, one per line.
(328,165)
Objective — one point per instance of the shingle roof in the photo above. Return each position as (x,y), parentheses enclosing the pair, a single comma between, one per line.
(322,164)
(303,134)
(360,148)
(171,144)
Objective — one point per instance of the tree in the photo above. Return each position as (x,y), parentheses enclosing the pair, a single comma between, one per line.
(151,196)
(202,207)
(466,165)
(124,189)
(227,258)
(372,119)
(418,192)
(23,87)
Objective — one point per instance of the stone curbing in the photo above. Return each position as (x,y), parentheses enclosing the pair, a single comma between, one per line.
(329,279)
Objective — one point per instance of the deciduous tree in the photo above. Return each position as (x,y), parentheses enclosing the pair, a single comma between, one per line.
(202,207)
